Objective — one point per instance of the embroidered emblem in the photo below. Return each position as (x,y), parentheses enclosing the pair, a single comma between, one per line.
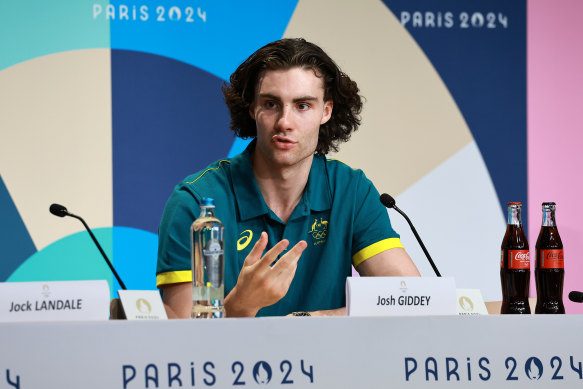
(244,240)
(319,231)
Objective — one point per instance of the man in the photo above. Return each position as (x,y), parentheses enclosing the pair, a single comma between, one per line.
(315,217)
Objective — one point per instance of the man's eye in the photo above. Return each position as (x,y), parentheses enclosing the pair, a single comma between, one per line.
(270,104)
(303,106)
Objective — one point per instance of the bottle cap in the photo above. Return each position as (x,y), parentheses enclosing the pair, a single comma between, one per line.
(515,203)
(207,202)
(548,204)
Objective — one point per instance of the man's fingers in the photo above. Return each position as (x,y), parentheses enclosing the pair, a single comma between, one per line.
(290,259)
(274,252)
(255,253)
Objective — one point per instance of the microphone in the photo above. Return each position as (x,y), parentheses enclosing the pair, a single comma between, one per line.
(576,297)
(61,211)
(58,210)
(388,201)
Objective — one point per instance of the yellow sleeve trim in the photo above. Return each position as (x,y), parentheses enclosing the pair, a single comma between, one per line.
(173,277)
(374,249)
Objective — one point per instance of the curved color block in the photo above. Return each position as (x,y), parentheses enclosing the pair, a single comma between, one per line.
(75,257)
(55,142)
(32,29)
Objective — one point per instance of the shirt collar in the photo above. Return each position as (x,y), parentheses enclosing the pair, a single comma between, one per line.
(250,202)
(317,191)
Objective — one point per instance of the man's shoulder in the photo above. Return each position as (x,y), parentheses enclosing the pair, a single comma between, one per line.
(211,181)
(343,178)
(216,171)
(338,169)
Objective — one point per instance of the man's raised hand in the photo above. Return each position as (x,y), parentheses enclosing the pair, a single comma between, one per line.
(260,284)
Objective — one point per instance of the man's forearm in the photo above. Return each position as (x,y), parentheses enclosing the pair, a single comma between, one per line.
(234,307)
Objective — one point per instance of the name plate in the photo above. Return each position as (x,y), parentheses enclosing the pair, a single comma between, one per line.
(400,296)
(470,302)
(54,301)
(142,305)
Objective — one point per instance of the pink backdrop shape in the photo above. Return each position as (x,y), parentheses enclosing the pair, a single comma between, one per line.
(555,128)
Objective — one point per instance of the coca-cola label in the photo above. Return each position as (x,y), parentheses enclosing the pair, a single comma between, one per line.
(517,259)
(550,259)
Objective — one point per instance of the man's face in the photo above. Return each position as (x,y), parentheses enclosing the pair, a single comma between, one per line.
(289,108)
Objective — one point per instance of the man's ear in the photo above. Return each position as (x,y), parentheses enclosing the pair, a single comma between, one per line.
(252,111)
(327,113)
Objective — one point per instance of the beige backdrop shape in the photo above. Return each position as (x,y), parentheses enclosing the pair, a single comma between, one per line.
(411,123)
(55,140)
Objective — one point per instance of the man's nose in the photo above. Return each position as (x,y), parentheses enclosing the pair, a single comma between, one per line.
(284,121)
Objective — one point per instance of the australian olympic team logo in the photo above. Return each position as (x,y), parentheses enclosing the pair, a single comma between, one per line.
(319,230)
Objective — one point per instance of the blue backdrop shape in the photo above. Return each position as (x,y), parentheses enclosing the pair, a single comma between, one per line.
(169,121)
(15,240)
(212,35)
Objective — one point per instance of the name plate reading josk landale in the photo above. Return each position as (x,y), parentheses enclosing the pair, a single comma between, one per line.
(400,296)
(54,301)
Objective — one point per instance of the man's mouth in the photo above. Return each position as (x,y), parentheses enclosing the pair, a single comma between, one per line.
(282,139)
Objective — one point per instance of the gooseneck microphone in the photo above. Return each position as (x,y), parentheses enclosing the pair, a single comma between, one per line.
(576,297)
(61,211)
(389,202)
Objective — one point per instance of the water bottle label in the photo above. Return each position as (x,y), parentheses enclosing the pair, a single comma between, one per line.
(213,247)
(518,259)
(550,259)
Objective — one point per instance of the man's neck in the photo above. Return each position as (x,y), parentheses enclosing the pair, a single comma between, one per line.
(282,187)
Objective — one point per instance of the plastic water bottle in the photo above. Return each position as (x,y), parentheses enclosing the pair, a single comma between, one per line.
(208,263)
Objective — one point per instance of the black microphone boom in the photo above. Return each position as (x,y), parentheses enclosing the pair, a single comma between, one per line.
(389,202)
(61,211)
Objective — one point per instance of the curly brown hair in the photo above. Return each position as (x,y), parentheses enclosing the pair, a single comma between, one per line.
(286,54)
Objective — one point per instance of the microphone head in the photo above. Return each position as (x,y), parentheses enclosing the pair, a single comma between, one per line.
(576,297)
(58,210)
(387,200)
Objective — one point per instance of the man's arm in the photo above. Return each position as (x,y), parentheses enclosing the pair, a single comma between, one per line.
(177,300)
(391,263)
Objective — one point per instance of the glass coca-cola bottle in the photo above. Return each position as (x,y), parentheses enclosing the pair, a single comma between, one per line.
(515,264)
(550,265)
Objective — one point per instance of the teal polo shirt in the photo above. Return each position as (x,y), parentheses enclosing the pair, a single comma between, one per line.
(339,216)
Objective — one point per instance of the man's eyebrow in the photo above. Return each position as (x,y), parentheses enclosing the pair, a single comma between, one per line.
(269,96)
(277,98)
(305,98)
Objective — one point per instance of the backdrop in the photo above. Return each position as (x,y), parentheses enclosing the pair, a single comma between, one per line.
(105,106)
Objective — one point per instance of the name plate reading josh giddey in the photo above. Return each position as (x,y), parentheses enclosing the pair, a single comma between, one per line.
(400,296)
(54,301)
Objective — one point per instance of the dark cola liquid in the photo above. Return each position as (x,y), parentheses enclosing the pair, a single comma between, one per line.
(549,282)
(515,282)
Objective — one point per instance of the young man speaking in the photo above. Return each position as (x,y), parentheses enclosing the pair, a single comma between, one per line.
(295,222)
